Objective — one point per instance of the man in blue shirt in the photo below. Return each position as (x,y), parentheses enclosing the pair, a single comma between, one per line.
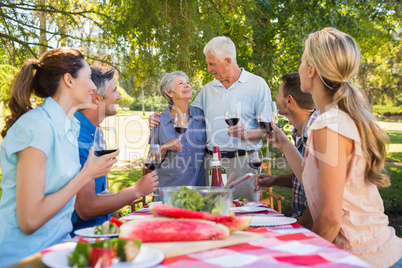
(90,208)
(298,107)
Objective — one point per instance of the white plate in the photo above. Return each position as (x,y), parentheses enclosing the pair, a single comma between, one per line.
(147,257)
(89,232)
(270,221)
(248,209)
(253,205)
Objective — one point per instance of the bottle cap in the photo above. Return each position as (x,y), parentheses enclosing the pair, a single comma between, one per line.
(216,150)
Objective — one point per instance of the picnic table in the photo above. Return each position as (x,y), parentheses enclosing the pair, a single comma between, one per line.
(288,245)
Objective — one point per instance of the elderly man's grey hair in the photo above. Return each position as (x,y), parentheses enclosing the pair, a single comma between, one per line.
(221,47)
(101,77)
(166,83)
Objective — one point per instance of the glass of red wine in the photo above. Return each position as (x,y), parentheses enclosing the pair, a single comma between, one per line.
(152,158)
(105,142)
(267,114)
(232,118)
(180,124)
(254,157)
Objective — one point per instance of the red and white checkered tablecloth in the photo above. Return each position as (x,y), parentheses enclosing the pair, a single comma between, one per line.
(281,246)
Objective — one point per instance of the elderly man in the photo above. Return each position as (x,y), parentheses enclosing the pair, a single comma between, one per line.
(298,107)
(90,208)
(237,89)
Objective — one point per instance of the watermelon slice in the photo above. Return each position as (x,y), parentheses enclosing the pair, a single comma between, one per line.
(169,230)
(233,223)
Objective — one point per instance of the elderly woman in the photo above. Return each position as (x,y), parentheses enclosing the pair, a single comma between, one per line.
(182,162)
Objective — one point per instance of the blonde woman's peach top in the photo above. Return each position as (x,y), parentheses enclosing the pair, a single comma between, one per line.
(364,229)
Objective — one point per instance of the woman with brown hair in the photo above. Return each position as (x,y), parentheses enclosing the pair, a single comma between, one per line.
(39,154)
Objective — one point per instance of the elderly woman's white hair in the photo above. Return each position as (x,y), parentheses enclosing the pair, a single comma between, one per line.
(166,83)
(221,47)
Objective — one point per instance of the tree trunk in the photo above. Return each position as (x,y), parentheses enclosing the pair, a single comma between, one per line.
(42,36)
(62,24)
(143,100)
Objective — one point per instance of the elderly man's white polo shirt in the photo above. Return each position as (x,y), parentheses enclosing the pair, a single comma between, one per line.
(247,93)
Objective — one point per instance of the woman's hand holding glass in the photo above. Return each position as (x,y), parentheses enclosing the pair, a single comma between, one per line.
(98,166)
(172,145)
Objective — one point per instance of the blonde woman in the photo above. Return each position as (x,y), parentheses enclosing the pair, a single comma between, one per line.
(345,155)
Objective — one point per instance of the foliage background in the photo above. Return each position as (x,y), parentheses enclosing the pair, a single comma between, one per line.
(144,39)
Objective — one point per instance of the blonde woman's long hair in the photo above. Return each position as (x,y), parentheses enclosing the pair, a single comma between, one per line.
(336,57)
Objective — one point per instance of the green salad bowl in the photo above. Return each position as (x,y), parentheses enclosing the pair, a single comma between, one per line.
(214,200)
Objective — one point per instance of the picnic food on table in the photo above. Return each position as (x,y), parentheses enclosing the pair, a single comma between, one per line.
(102,252)
(187,198)
(108,227)
(233,223)
(240,202)
(168,230)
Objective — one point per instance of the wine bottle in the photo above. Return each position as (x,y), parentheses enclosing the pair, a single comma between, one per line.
(217,173)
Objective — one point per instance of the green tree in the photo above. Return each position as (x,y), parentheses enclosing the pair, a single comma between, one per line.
(144,39)
(6,76)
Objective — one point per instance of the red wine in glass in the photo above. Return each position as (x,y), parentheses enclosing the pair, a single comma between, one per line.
(180,124)
(152,158)
(255,164)
(266,126)
(254,157)
(103,152)
(232,121)
(105,142)
(180,130)
(151,165)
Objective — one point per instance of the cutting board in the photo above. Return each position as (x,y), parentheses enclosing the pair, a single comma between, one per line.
(173,249)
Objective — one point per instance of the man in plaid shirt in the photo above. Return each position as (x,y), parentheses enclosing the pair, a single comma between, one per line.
(298,107)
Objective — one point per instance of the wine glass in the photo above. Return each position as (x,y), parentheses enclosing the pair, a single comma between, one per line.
(180,124)
(152,158)
(275,115)
(254,157)
(267,113)
(232,118)
(105,142)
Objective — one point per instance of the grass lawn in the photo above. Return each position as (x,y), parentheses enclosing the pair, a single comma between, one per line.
(395,148)
(121,179)
(125,111)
